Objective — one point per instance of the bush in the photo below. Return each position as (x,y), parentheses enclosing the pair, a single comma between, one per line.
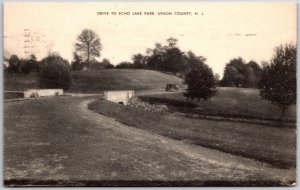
(55,73)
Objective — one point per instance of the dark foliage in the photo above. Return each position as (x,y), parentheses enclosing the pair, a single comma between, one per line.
(55,73)
(166,58)
(124,65)
(14,63)
(95,65)
(110,66)
(30,65)
(107,64)
(139,61)
(200,79)
(25,66)
(257,71)
(278,80)
(217,79)
(238,73)
(77,63)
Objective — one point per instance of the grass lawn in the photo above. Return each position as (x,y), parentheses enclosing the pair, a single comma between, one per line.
(276,146)
(98,81)
(20,82)
(13,95)
(58,141)
(229,102)
(120,79)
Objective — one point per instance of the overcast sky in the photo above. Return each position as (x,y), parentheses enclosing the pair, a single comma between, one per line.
(225,31)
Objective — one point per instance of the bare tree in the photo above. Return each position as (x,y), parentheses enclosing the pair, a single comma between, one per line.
(88,43)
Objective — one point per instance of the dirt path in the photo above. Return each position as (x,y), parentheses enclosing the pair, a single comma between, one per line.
(203,160)
(61,142)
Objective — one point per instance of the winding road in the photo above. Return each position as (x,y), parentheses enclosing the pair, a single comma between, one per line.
(59,141)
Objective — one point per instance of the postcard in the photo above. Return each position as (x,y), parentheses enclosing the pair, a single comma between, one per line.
(148,94)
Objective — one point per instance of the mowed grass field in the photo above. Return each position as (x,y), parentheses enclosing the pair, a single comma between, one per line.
(273,145)
(229,102)
(276,146)
(58,141)
(98,81)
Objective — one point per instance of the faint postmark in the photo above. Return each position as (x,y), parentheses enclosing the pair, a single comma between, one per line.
(34,42)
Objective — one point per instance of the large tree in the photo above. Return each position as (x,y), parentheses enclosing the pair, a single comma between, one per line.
(278,80)
(199,79)
(166,58)
(238,73)
(88,44)
(55,72)
(156,57)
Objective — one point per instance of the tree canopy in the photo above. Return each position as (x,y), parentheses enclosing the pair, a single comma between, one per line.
(55,73)
(278,80)
(88,44)
(238,73)
(166,58)
(199,79)
(139,61)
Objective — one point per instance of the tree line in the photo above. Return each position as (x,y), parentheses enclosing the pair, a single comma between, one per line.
(275,79)
(165,58)
(17,65)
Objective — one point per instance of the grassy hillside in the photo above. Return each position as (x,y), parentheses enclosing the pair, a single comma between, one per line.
(267,144)
(97,81)
(19,82)
(229,102)
(123,79)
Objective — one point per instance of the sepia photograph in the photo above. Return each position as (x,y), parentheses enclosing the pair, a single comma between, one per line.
(145,94)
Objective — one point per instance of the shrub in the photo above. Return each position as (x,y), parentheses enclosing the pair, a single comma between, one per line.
(55,73)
